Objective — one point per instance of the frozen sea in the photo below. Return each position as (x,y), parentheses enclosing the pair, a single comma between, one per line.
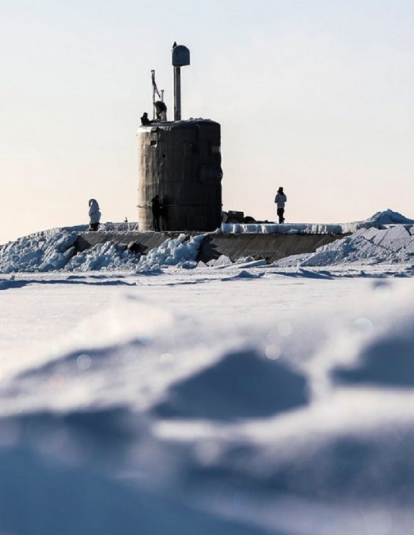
(166,397)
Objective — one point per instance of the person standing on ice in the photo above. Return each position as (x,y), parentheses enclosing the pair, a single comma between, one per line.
(280,201)
(94,214)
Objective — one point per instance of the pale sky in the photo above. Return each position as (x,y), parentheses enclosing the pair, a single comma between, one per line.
(313,95)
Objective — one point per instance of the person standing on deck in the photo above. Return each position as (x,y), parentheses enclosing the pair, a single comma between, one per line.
(156,212)
(94,214)
(280,201)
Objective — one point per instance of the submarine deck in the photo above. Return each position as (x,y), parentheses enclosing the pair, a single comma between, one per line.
(270,247)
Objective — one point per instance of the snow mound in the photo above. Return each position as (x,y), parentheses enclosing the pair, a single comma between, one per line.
(387,217)
(367,246)
(181,251)
(238,376)
(55,250)
(41,252)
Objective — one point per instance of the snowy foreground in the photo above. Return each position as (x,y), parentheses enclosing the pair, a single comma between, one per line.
(165,397)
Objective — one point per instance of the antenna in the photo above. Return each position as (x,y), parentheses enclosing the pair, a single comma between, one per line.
(154,92)
(180,58)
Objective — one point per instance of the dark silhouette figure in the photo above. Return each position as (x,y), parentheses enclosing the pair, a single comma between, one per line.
(144,119)
(160,110)
(280,201)
(156,212)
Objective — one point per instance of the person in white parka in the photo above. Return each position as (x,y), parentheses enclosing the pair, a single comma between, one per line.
(280,201)
(94,214)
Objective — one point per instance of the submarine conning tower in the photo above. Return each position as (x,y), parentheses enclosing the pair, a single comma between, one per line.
(180,161)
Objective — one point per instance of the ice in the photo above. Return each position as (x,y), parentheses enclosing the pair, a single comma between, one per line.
(161,417)
(395,238)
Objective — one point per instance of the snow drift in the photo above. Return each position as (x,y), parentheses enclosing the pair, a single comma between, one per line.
(55,251)
(367,246)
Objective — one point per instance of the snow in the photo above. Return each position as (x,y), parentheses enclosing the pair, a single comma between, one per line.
(138,396)
(378,220)
(56,251)
(391,244)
